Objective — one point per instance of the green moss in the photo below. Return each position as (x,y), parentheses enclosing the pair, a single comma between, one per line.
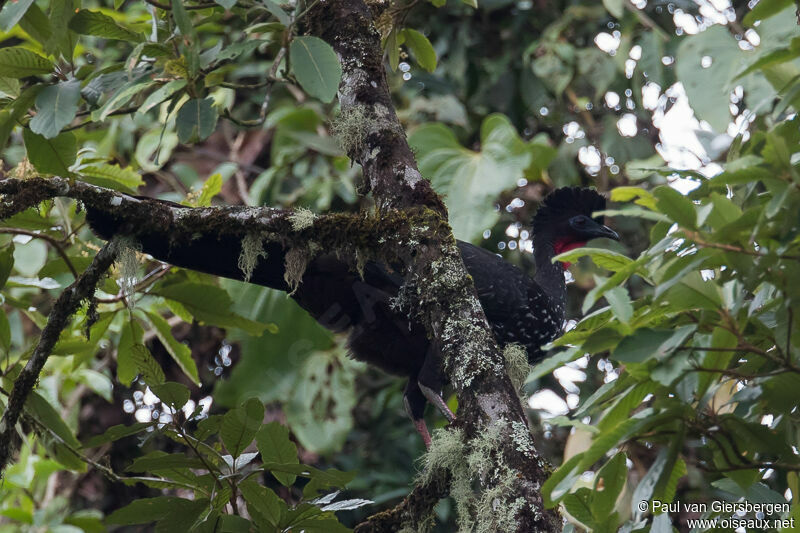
(516,364)
(252,249)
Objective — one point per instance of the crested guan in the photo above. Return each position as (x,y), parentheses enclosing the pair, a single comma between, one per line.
(520,309)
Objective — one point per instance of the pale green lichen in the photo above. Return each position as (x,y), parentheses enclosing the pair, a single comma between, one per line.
(521,436)
(128,267)
(493,508)
(252,249)
(295,261)
(516,364)
(350,129)
(302,218)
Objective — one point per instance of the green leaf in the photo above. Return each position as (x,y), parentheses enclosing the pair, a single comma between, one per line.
(196,120)
(607,259)
(159,461)
(181,353)
(5,333)
(765,9)
(277,11)
(211,188)
(87,22)
(708,88)
(266,504)
(471,3)
(676,206)
(579,505)
(637,194)
(36,25)
(6,263)
(122,96)
(51,156)
(114,433)
(62,40)
(20,63)
(275,447)
(173,394)
(146,365)
(316,67)
(393,49)
(143,510)
(239,426)
(208,304)
(9,87)
(620,303)
(12,12)
(608,483)
(56,106)
(62,445)
(615,7)
(161,94)
(181,17)
(112,177)
(127,367)
(421,48)
(469,180)
(648,343)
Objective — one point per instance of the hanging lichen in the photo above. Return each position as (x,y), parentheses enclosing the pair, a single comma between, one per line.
(252,249)
(516,364)
(128,267)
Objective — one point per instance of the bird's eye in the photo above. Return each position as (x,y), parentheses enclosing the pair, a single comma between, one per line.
(581,221)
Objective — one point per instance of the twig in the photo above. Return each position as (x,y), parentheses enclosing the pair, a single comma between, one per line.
(67,303)
(695,237)
(167,7)
(47,238)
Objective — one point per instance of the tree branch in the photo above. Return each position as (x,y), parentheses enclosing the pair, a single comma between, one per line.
(66,305)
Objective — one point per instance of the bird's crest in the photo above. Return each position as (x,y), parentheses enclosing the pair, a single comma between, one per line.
(568,202)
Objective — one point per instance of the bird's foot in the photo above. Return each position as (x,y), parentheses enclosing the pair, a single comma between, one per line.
(436,399)
(419,424)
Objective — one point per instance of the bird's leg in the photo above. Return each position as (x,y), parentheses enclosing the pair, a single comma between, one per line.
(435,398)
(430,382)
(414,403)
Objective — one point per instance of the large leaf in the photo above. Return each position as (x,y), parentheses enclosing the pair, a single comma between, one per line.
(316,67)
(239,426)
(208,304)
(12,12)
(708,88)
(112,176)
(196,120)
(421,48)
(56,106)
(21,63)
(87,22)
(275,447)
(471,181)
(51,156)
(181,353)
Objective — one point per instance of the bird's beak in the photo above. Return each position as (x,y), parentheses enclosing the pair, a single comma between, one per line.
(601,231)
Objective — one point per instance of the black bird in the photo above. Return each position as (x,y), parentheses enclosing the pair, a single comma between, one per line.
(520,309)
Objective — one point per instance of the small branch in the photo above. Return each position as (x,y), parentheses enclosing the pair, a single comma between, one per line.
(414,508)
(47,238)
(695,237)
(167,7)
(67,303)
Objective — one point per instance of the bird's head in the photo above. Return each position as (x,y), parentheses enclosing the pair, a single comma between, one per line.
(564,220)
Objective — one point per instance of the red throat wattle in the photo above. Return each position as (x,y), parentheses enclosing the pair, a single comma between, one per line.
(565,245)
